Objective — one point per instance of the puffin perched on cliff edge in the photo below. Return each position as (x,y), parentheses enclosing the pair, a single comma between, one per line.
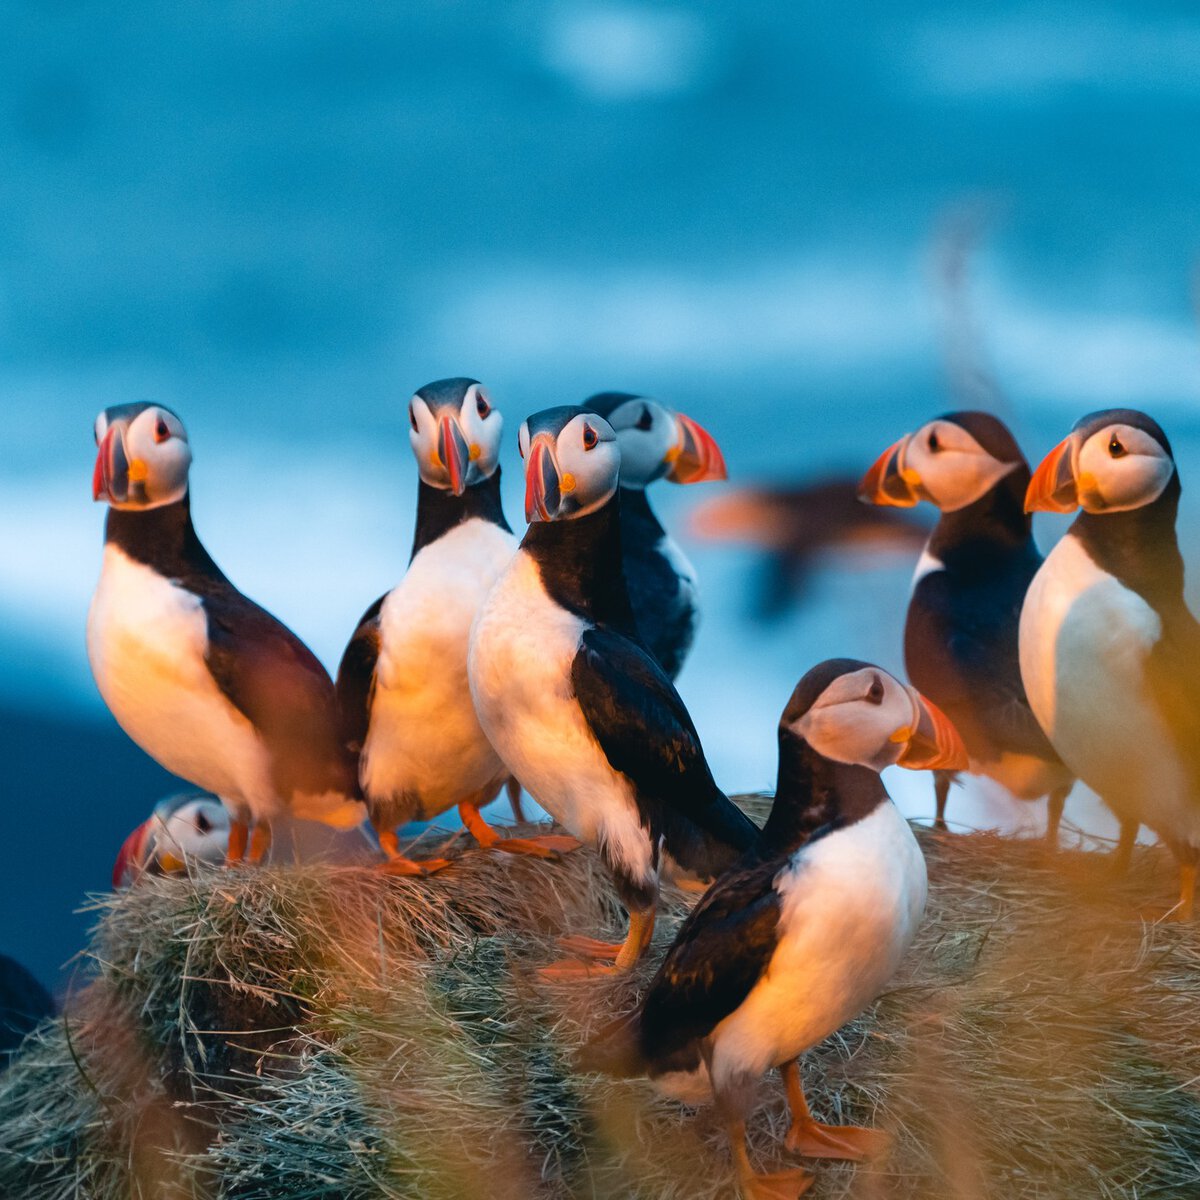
(1109,648)
(802,935)
(402,685)
(208,683)
(577,707)
(960,635)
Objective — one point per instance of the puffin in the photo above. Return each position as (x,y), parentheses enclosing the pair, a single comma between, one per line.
(805,931)
(960,635)
(205,681)
(577,706)
(1108,646)
(184,827)
(657,443)
(402,688)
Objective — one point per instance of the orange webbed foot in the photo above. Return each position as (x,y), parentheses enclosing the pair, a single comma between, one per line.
(410,868)
(779,1185)
(551,846)
(852,1142)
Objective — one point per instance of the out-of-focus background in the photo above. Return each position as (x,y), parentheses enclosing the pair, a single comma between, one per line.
(808,227)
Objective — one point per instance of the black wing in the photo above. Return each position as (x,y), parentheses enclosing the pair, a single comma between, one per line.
(961,650)
(356,679)
(646,734)
(719,954)
(276,681)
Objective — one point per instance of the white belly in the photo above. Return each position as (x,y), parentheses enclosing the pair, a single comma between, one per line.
(424,742)
(522,648)
(1085,638)
(146,641)
(851,908)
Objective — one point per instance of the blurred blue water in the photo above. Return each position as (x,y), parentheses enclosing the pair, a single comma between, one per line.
(282,218)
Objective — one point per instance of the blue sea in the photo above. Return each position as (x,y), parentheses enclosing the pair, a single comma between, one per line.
(808,226)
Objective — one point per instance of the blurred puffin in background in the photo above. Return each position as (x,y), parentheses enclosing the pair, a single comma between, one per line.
(579,710)
(960,635)
(402,688)
(796,526)
(657,443)
(186,827)
(803,934)
(207,683)
(1109,649)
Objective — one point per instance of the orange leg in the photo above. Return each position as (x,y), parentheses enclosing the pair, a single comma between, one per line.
(781,1185)
(623,954)
(814,1140)
(260,842)
(239,833)
(550,846)
(513,788)
(398,864)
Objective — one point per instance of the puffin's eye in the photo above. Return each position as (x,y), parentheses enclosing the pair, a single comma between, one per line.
(1115,448)
(589,437)
(412,417)
(482,407)
(203,824)
(645,421)
(934,444)
(161,432)
(875,691)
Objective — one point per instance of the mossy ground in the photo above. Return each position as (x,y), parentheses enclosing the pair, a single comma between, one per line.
(334,1033)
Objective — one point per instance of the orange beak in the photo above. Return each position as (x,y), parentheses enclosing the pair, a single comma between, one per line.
(934,743)
(885,484)
(1053,487)
(110,477)
(452,449)
(697,457)
(543,492)
(129,858)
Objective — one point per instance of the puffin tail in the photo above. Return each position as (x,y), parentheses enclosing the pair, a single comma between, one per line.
(616,1049)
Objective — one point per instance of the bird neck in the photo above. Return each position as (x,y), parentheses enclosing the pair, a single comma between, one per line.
(996,522)
(813,791)
(1139,547)
(163,538)
(579,560)
(440,510)
(639,525)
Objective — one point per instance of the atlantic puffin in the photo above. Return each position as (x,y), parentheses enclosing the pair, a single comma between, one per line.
(207,683)
(1108,646)
(806,931)
(185,827)
(960,636)
(577,707)
(657,443)
(402,684)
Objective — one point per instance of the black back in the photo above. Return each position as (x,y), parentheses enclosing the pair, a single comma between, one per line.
(24,1003)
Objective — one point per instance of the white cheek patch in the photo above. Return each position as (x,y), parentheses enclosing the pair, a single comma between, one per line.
(1133,480)
(955,479)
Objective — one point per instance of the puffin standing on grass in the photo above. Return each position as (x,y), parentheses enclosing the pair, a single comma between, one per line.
(207,683)
(1109,649)
(402,684)
(577,707)
(804,934)
(657,443)
(960,636)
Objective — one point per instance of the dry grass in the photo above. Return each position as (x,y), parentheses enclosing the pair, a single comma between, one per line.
(331,1033)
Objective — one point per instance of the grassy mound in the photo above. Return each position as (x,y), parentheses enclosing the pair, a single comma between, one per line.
(333,1033)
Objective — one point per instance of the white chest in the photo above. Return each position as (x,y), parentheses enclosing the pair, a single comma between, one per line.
(424,740)
(1084,642)
(851,906)
(522,650)
(146,640)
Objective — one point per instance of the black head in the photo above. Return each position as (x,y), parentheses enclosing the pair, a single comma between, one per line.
(455,434)
(952,461)
(572,463)
(143,456)
(1116,460)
